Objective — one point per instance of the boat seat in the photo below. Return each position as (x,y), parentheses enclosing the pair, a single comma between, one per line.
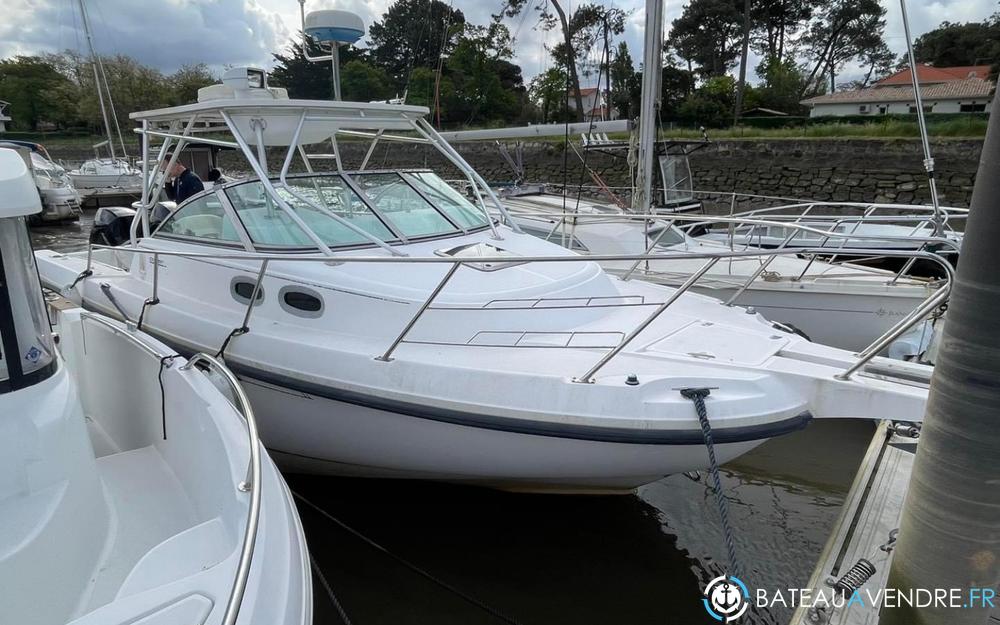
(202,225)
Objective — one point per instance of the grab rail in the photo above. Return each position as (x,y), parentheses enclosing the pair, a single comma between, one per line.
(250,484)
(504,262)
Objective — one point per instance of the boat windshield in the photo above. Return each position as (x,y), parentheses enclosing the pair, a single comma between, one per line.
(386,205)
(671,237)
(26,352)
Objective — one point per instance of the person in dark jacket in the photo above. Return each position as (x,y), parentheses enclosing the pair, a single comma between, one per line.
(182,183)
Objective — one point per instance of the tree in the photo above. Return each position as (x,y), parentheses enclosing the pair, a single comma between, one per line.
(676,85)
(414,33)
(707,35)
(185,83)
(626,83)
(362,82)
(843,30)
(782,82)
(303,78)
(548,91)
(775,23)
(36,91)
(474,68)
(712,104)
(975,43)
(578,33)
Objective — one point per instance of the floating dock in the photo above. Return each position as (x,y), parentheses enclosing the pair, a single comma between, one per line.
(866,528)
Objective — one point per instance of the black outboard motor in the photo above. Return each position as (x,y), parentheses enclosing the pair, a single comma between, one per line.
(112,225)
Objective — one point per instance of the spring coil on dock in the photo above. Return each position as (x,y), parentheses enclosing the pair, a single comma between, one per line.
(855,577)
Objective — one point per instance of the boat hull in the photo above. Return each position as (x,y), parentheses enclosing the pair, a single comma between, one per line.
(308,433)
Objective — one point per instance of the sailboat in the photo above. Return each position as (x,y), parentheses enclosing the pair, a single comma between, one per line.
(113,175)
(132,488)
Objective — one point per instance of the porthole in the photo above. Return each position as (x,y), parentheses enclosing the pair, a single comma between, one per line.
(241,288)
(301,302)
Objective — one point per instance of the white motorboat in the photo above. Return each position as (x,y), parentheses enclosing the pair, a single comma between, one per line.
(60,200)
(863,226)
(386,326)
(131,488)
(842,305)
(107,174)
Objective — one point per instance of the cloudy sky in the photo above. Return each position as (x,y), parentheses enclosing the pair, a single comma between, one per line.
(169,33)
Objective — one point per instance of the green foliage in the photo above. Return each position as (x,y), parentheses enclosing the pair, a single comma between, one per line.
(626,83)
(844,31)
(303,78)
(712,104)
(548,92)
(707,34)
(362,82)
(783,81)
(37,92)
(414,33)
(183,85)
(976,43)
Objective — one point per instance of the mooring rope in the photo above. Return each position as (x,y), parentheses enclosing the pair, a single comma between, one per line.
(698,395)
(329,591)
(494,612)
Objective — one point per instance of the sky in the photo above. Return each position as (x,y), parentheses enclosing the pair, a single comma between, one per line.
(169,33)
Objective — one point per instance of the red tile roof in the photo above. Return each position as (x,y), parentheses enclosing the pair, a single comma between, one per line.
(930,74)
(951,90)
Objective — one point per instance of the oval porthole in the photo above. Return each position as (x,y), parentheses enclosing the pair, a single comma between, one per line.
(241,289)
(301,302)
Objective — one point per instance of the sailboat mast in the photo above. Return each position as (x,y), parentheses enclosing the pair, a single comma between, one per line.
(97,76)
(922,123)
(651,59)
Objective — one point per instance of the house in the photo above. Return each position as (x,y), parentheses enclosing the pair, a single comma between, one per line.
(964,89)
(594,103)
(4,117)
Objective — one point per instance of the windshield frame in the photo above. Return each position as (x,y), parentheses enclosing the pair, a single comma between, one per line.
(350,181)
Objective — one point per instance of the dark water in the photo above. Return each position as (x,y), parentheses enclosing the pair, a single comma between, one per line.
(545,559)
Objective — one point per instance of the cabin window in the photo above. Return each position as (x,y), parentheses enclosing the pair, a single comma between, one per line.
(314,199)
(242,290)
(301,302)
(403,206)
(459,209)
(201,218)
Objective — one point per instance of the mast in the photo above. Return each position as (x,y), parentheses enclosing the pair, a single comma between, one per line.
(651,60)
(921,122)
(99,80)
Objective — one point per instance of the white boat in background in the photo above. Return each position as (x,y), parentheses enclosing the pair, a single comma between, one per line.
(60,199)
(131,488)
(386,326)
(103,174)
(842,305)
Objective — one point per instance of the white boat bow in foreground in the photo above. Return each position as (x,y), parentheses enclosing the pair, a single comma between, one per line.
(131,488)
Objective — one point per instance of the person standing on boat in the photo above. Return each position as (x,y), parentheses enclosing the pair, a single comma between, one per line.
(182,183)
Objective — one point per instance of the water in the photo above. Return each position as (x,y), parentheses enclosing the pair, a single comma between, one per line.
(539,559)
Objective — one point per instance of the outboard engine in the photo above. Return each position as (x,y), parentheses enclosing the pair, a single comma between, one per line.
(112,225)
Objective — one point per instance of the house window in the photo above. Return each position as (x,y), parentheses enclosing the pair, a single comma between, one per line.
(864,108)
(972,107)
(883,109)
(928,108)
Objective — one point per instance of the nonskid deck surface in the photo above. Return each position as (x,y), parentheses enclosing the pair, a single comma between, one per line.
(148,506)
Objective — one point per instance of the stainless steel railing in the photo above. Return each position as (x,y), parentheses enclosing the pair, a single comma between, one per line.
(504,262)
(252,482)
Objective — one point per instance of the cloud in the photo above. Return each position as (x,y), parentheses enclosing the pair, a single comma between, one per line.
(164,34)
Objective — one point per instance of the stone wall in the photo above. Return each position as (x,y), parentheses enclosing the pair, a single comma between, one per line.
(864,170)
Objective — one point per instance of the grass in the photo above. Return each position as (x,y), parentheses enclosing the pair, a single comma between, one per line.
(890,128)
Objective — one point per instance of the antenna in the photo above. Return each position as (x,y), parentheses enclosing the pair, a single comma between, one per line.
(336,28)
